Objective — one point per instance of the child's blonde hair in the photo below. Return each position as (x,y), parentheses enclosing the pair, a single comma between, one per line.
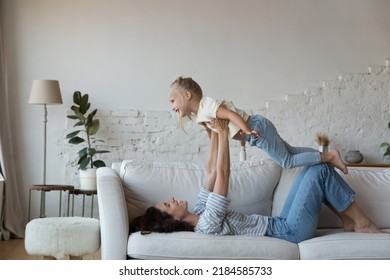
(186,84)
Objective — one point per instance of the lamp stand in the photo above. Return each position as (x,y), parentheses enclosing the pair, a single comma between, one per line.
(43,195)
(45,92)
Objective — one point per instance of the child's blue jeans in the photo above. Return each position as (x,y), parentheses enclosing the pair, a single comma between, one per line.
(279,150)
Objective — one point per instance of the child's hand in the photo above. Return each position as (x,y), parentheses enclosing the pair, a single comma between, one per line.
(253,133)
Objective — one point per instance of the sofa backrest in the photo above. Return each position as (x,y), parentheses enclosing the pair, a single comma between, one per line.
(251,188)
(372,187)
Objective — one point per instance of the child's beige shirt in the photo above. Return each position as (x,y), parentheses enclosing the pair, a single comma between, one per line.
(207,112)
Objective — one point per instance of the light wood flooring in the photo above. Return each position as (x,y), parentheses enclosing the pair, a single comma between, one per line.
(14,250)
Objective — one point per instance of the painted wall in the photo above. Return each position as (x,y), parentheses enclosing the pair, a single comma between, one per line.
(125,53)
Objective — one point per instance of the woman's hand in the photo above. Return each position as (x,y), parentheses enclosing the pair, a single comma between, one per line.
(208,130)
(219,125)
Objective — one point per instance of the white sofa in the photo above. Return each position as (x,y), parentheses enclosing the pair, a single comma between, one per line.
(128,188)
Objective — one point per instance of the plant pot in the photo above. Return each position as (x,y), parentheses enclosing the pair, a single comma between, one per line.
(353,156)
(88,179)
(323,149)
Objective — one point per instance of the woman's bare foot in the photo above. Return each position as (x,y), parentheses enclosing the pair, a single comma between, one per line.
(334,158)
(348,223)
(361,222)
(368,227)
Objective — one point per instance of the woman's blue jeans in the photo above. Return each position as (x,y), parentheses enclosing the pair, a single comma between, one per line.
(315,185)
(279,150)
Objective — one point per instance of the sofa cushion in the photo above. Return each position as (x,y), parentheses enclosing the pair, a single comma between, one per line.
(146,183)
(190,245)
(336,244)
(372,187)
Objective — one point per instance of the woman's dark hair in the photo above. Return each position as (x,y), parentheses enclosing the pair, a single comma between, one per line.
(155,220)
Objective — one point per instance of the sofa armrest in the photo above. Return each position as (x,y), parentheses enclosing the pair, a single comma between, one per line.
(114,224)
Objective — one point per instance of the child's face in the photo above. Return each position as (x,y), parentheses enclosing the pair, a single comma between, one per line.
(179,103)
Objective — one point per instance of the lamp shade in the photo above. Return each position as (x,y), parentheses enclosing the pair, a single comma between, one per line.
(45,92)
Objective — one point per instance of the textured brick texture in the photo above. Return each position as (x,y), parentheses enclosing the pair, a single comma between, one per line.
(353,110)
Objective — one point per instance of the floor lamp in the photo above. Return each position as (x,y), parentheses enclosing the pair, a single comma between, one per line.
(45,92)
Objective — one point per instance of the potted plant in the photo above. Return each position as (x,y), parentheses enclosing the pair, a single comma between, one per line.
(387,146)
(89,124)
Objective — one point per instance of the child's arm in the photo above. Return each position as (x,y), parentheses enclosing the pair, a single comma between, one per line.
(226,114)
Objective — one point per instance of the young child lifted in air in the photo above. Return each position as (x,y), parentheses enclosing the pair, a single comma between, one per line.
(187,100)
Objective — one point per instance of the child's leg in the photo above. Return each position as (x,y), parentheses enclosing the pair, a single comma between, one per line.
(286,155)
(278,149)
(333,157)
(298,150)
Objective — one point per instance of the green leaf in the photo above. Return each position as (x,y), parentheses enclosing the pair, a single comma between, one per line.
(85,163)
(84,108)
(76,140)
(93,128)
(89,120)
(102,152)
(385,145)
(75,108)
(388,125)
(93,113)
(72,134)
(99,163)
(83,152)
(73,117)
(77,97)
(80,116)
(78,124)
(84,99)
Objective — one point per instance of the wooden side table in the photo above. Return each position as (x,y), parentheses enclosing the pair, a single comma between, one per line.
(84,193)
(47,188)
(368,165)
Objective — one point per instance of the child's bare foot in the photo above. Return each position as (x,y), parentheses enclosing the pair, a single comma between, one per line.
(338,162)
(334,158)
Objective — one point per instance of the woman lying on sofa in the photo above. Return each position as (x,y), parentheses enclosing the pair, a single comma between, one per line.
(315,185)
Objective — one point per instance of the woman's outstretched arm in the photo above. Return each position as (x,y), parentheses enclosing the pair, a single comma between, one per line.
(223,158)
(211,170)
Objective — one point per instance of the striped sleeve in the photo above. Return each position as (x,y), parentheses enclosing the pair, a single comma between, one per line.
(211,221)
(201,202)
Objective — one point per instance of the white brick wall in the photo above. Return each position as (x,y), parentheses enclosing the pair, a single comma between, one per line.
(353,110)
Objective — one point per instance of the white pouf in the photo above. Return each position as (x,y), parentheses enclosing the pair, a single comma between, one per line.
(62,236)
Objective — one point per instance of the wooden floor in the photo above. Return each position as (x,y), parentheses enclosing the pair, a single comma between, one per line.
(14,250)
